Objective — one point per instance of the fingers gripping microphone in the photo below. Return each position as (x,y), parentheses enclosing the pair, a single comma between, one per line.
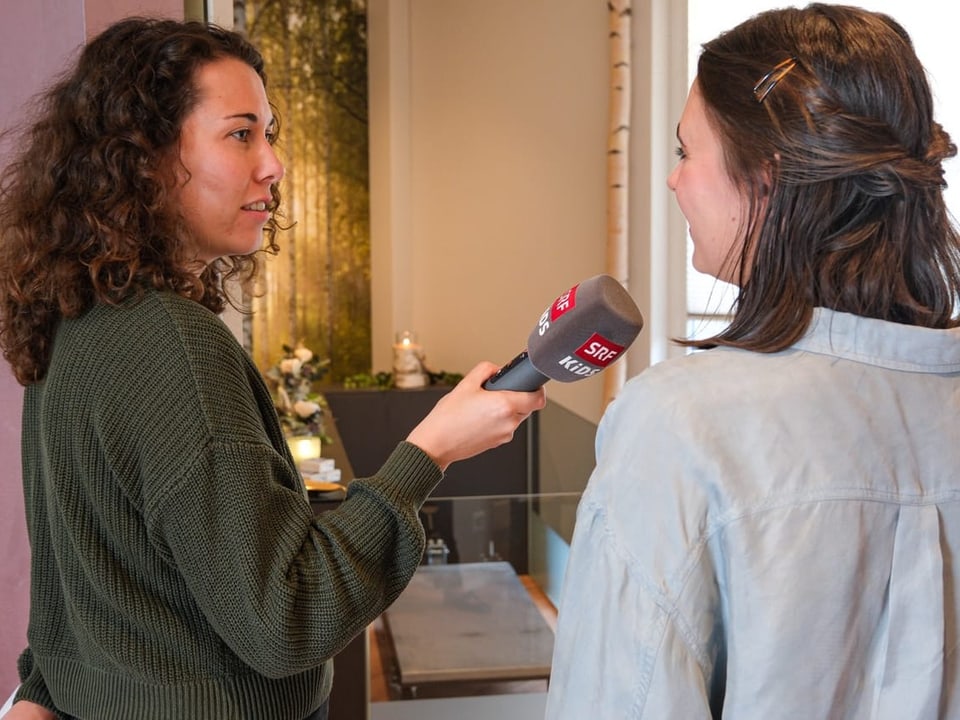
(585,329)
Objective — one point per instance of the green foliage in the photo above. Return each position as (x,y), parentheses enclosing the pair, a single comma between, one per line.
(384,380)
(444,378)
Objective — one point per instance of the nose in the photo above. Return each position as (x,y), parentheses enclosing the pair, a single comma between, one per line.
(271,169)
(672,178)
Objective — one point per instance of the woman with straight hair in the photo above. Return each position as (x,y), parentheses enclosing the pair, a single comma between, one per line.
(772,529)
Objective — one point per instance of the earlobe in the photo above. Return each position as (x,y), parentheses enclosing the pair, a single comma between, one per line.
(766,176)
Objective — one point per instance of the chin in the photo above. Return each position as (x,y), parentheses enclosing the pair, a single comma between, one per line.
(249,248)
(699,266)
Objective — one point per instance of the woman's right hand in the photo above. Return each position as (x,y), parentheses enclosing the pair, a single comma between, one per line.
(469,420)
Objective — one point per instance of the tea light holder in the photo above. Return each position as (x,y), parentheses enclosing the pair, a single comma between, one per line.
(304,448)
(408,369)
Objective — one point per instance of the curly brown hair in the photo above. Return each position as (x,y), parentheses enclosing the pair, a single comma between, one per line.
(844,153)
(85,216)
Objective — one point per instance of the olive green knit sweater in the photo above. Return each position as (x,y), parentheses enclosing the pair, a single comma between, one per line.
(178,571)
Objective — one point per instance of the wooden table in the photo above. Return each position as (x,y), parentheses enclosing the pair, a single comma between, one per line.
(472,622)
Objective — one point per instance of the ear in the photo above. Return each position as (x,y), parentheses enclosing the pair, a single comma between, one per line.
(766,176)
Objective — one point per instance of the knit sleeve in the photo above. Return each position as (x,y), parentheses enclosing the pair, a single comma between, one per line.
(32,685)
(286,589)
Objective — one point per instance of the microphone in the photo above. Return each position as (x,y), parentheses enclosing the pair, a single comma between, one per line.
(585,329)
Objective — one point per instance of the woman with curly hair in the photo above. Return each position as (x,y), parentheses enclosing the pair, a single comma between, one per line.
(177,569)
(772,529)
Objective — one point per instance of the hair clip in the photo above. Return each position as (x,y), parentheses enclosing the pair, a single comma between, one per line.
(769,81)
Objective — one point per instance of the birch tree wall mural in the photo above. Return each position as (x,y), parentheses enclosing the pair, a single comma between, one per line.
(317,290)
(618,167)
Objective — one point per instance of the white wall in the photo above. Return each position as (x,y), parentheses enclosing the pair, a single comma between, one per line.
(488,172)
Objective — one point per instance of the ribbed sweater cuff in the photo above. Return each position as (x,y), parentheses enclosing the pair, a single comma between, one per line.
(32,686)
(409,475)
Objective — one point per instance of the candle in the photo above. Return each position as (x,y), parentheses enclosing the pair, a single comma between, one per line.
(304,447)
(408,361)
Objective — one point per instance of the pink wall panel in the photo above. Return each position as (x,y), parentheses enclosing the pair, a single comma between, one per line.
(37,40)
(101,13)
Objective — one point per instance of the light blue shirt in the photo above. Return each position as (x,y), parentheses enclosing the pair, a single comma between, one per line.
(772,536)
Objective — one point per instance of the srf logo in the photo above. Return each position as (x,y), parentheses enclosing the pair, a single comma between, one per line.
(599,351)
(564,303)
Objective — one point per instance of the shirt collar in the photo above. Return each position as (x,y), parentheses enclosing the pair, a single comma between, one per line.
(882,343)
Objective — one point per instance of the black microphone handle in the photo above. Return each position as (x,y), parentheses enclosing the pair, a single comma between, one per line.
(519,374)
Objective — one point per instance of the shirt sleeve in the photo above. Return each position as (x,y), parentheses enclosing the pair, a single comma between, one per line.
(618,652)
(630,643)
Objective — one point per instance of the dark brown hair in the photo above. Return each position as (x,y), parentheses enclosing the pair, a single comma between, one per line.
(84,210)
(846,153)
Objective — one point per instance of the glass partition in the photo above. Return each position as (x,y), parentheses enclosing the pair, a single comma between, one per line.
(475,626)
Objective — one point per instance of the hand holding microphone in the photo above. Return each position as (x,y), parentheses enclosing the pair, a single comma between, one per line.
(585,330)
(469,420)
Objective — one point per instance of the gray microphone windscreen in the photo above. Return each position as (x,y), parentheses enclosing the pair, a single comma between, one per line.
(584,330)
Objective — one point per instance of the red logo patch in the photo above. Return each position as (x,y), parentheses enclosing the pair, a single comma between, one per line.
(564,303)
(598,351)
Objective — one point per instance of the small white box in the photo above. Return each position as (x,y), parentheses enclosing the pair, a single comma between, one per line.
(317,466)
(332,475)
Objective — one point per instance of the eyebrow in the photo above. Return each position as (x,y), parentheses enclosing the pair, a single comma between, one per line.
(252,117)
(678,134)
